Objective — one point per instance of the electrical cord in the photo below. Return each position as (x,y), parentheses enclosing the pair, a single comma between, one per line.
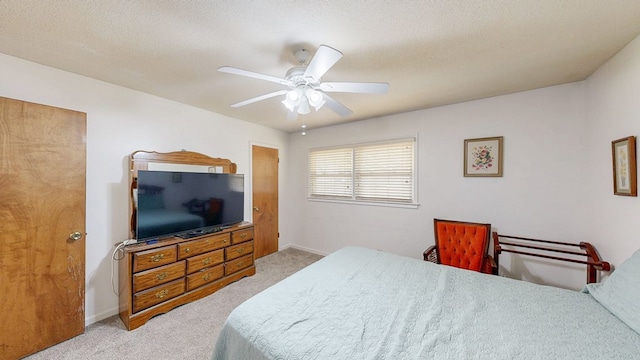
(114,257)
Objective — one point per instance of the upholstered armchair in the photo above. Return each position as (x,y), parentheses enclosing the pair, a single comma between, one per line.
(463,245)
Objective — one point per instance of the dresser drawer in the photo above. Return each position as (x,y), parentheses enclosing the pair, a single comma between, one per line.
(157,276)
(149,259)
(204,277)
(196,263)
(238,264)
(202,245)
(235,251)
(158,294)
(241,235)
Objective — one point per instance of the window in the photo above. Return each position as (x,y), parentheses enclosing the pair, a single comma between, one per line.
(378,172)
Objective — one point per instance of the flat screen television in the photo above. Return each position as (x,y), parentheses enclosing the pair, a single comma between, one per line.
(186,203)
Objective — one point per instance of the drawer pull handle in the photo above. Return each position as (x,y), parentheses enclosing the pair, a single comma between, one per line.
(161,276)
(240,263)
(206,261)
(243,235)
(156,258)
(206,277)
(240,250)
(161,294)
(224,240)
(187,250)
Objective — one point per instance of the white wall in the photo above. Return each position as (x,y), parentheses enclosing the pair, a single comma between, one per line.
(612,112)
(540,194)
(119,122)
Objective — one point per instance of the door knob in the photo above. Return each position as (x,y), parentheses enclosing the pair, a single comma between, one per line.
(256,209)
(75,236)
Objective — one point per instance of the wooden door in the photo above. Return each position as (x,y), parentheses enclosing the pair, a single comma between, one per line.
(42,202)
(264,181)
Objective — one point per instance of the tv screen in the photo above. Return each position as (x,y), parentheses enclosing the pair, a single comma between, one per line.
(179,203)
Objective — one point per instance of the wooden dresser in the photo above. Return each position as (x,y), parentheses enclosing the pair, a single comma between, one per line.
(155,278)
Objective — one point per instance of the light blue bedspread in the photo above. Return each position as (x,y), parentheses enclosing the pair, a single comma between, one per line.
(365,304)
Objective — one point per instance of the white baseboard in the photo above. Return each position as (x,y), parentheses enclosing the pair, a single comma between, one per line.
(98,317)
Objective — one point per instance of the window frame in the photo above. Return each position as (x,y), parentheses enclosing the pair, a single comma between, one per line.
(353,199)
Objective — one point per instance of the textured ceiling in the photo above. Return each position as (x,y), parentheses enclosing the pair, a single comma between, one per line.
(430,52)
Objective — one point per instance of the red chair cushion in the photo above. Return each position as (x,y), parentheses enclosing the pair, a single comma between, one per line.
(461,245)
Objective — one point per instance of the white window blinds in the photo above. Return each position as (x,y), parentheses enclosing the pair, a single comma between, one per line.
(380,172)
(331,173)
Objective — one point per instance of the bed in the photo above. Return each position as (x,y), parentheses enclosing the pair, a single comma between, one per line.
(359,303)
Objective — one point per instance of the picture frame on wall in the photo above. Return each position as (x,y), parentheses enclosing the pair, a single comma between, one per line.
(483,157)
(623,153)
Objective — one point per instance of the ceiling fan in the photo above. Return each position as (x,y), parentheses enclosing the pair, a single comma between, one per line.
(305,86)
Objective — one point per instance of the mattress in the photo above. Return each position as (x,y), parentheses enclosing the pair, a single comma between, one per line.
(360,303)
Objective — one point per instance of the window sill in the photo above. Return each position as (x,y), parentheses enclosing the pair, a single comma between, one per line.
(367,203)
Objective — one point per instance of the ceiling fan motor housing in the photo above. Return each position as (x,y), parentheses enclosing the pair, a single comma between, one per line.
(296,77)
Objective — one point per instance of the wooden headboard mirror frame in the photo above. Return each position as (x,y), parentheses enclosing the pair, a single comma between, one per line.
(178,160)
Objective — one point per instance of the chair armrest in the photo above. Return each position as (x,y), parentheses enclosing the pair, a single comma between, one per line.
(489,266)
(431,254)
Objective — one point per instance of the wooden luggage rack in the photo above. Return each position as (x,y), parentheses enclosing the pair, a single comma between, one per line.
(586,250)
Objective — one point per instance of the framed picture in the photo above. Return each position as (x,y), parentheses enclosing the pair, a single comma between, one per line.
(624,166)
(483,156)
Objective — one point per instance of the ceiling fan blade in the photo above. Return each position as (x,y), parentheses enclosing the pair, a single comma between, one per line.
(336,106)
(259,98)
(322,61)
(236,71)
(355,87)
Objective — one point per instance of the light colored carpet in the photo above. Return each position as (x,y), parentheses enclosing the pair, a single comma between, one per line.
(186,332)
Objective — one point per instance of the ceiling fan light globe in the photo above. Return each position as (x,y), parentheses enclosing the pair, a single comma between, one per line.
(313,95)
(315,98)
(292,99)
(288,105)
(303,108)
(293,96)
